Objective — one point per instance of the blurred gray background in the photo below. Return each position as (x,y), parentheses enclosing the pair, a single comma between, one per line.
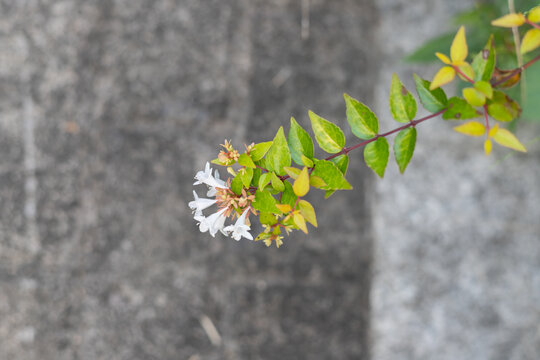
(108,108)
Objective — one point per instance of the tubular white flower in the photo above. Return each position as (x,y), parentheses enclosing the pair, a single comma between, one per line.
(212,191)
(205,177)
(199,204)
(212,223)
(239,228)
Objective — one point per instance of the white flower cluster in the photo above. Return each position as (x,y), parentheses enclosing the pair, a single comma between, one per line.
(216,221)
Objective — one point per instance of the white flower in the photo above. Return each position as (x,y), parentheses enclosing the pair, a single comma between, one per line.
(207,178)
(239,228)
(212,223)
(211,189)
(199,204)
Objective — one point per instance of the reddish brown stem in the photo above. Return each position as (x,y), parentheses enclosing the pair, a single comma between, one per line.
(516,71)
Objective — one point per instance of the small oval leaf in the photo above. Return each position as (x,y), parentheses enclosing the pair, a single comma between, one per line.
(404,144)
(328,135)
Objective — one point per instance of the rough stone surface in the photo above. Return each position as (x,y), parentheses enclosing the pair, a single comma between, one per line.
(457,251)
(108,109)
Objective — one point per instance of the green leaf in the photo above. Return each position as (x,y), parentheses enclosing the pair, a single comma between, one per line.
(404,147)
(307,161)
(278,156)
(331,175)
(485,88)
(256,177)
(363,122)
(259,150)
(292,171)
(328,193)
(432,100)
(246,174)
(342,163)
(484,62)
(306,209)
(402,103)
(460,109)
(316,182)
(264,180)
(300,143)
(502,108)
(267,218)
(474,97)
(277,184)
(288,196)
(328,135)
(245,160)
(265,202)
(425,52)
(376,155)
(236,185)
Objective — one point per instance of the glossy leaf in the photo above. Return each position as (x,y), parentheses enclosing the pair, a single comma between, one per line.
(509,20)
(460,109)
(267,218)
(292,171)
(246,174)
(307,161)
(265,202)
(300,143)
(328,135)
(276,182)
(444,76)
(432,100)
(259,150)
(484,62)
(472,128)
(376,155)
(402,103)
(474,97)
(342,163)
(331,175)
(502,108)
(236,185)
(301,184)
(285,208)
(278,156)
(264,180)
(363,122)
(459,50)
(404,144)
(505,138)
(534,14)
(485,88)
(245,160)
(300,222)
(288,196)
(307,210)
(530,41)
(316,182)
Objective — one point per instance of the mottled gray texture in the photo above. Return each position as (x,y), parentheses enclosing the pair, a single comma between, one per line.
(457,251)
(108,109)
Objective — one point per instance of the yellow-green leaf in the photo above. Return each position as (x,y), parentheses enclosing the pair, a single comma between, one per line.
(485,88)
(472,128)
(292,171)
(300,221)
(402,103)
(534,14)
(301,184)
(474,97)
(316,182)
(445,75)
(530,41)
(509,20)
(264,180)
(467,70)
(459,50)
(404,145)
(306,209)
(445,59)
(363,122)
(328,135)
(277,184)
(376,155)
(505,138)
(493,130)
(487,146)
(284,207)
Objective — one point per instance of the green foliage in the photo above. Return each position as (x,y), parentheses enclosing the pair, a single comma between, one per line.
(300,143)
(402,103)
(363,122)
(432,100)
(331,175)
(404,144)
(460,109)
(376,155)
(328,135)
(279,155)
(265,202)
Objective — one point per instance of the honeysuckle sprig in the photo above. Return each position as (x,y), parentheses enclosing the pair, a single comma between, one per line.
(272,180)
(531,39)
